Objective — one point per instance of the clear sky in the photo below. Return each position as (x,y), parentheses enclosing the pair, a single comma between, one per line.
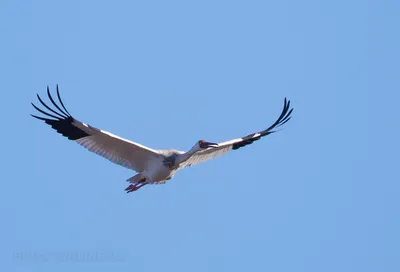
(321,195)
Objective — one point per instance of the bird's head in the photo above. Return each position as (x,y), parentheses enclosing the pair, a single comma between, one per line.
(204,145)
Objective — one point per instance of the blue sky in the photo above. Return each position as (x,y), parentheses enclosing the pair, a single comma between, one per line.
(322,195)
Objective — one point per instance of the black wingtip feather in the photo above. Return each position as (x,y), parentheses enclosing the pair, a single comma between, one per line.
(284,115)
(46,113)
(61,102)
(286,118)
(282,119)
(40,118)
(63,125)
(50,109)
(54,103)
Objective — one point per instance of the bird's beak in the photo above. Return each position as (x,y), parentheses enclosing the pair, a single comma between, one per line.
(213,145)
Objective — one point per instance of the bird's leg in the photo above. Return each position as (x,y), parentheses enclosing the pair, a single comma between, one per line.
(134,187)
(131,188)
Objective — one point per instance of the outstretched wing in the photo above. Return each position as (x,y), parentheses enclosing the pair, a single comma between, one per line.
(112,147)
(225,147)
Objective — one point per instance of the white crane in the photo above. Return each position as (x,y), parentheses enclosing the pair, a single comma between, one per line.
(152,166)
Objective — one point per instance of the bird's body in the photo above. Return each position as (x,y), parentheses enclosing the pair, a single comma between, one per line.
(153,166)
(159,171)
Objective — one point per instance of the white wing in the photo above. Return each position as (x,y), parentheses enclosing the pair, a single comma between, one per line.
(225,147)
(116,149)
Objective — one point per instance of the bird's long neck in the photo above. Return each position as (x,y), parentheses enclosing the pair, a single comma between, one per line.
(185,156)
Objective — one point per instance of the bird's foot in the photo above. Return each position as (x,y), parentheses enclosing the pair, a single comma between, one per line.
(134,187)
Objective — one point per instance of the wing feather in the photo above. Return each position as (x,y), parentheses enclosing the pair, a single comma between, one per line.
(225,147)
(112,147)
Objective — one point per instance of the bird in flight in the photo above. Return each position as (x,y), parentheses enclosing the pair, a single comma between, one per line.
(152,166)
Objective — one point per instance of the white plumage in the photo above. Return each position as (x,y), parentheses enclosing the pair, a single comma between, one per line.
(153,166)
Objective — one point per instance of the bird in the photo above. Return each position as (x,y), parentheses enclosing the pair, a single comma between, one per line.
(151,166)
